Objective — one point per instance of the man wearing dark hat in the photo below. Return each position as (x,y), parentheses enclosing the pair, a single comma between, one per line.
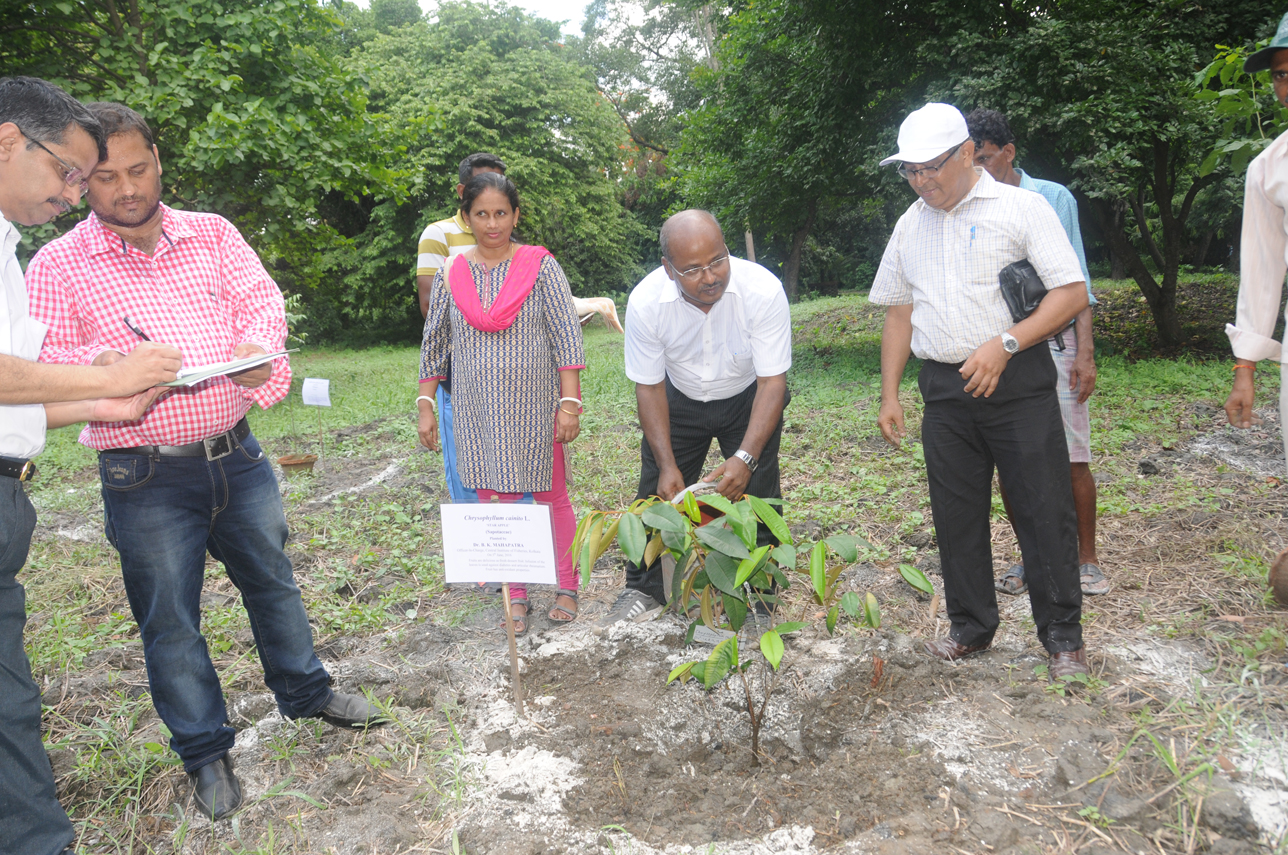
(1263,254)
(988,383)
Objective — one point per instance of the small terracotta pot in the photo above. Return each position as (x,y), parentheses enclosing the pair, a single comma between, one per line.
(297,462)
(1279,578)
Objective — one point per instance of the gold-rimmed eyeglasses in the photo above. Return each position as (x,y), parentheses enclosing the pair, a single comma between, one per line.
(73,176)
(927,171)
(717,267)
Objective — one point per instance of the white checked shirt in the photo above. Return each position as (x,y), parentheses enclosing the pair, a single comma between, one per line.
(713,355)
(945,263)
(22,427)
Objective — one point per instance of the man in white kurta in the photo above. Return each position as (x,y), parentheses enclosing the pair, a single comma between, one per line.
(1264,254)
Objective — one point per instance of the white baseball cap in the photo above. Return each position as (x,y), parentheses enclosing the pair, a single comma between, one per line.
(929,132)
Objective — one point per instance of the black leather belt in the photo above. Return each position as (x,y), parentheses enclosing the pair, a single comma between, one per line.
(220,445)
(23,470)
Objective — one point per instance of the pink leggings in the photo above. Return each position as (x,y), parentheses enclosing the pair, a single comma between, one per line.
(564,519)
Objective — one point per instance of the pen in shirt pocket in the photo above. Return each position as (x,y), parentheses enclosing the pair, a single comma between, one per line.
(972,237)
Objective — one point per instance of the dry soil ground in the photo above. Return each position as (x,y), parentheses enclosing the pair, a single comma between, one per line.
(1178,745)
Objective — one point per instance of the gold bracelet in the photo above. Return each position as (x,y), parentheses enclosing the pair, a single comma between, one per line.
(566,413)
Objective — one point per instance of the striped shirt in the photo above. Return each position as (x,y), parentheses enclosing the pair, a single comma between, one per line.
(203,290)
(945,263)
(440,241)
(714,355)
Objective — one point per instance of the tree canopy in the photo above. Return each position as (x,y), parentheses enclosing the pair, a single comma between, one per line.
(331,133)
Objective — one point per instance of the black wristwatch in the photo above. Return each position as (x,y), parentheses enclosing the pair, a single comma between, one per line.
(746,458)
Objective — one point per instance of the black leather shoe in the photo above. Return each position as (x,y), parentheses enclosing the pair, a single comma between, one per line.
(351,712)
(216,789)
(1067,663)
(950,651)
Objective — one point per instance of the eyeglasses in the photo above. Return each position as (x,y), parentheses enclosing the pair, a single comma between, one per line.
(74,175)
(927,171)
(716,267)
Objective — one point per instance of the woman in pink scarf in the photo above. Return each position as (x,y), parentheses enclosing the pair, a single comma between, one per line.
(503,313)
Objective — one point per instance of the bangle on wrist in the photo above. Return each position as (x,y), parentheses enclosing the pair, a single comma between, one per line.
(433,405)
(577,401)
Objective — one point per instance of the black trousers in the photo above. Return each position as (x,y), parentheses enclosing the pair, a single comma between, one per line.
(1019,430)
(693,425)
(32,822)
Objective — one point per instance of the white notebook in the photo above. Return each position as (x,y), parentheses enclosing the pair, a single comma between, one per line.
(193,376)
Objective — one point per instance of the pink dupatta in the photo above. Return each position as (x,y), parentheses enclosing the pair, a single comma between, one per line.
(518,283)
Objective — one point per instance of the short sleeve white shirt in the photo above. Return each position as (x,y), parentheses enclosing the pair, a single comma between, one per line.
(945,263)
(713,355)
(22,427)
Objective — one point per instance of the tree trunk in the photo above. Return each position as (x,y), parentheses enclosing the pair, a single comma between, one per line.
(1117,269)
(1165,319)
(751,246)
(1201,249)
(1160,183)
(1117,264)
(792,269)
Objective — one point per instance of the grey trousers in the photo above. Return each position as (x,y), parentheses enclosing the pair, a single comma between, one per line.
(32,822)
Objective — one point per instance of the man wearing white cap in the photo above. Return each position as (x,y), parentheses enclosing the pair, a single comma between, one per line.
(990,397)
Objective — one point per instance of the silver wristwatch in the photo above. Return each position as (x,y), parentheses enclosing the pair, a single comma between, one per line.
(1010,343)
(746,458)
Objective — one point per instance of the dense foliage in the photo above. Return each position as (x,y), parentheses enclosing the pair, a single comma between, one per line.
(330,133)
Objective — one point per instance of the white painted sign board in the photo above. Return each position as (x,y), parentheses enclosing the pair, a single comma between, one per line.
(316,393)
(498,543)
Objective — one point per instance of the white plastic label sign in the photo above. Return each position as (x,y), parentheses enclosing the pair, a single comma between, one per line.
(498,543)
(317,393)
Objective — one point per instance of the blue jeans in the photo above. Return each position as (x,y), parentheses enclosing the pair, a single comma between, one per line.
(461,495)
(31,820)
(162,514)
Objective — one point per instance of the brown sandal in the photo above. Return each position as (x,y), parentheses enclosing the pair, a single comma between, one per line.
(520,620)
(556,614)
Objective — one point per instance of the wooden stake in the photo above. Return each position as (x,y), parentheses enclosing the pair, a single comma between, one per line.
(321,444)
(514,651)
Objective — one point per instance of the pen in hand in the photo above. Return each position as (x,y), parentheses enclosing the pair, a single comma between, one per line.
(135,328)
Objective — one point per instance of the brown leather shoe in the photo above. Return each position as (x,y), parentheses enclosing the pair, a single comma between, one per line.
(1067,663)
(950,651)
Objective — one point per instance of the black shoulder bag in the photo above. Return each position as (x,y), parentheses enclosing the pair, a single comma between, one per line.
(1022,289)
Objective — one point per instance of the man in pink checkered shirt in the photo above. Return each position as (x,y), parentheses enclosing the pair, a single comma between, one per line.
(189,477)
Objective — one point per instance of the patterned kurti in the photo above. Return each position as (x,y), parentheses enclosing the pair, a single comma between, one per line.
(505,385)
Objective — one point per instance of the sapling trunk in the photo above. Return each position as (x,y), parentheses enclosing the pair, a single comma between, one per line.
(755,719)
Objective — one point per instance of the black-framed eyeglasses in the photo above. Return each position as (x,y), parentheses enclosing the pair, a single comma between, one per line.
(74,175)
(927,171)
(693,273)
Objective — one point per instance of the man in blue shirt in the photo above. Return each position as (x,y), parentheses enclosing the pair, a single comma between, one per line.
(1072,350)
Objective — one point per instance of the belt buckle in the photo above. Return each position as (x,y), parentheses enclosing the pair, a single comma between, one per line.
(218,447)
(28,471)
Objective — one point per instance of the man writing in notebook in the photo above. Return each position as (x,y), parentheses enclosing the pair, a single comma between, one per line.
(188,478)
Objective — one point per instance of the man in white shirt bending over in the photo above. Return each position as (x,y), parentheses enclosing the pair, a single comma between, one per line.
(708,344)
